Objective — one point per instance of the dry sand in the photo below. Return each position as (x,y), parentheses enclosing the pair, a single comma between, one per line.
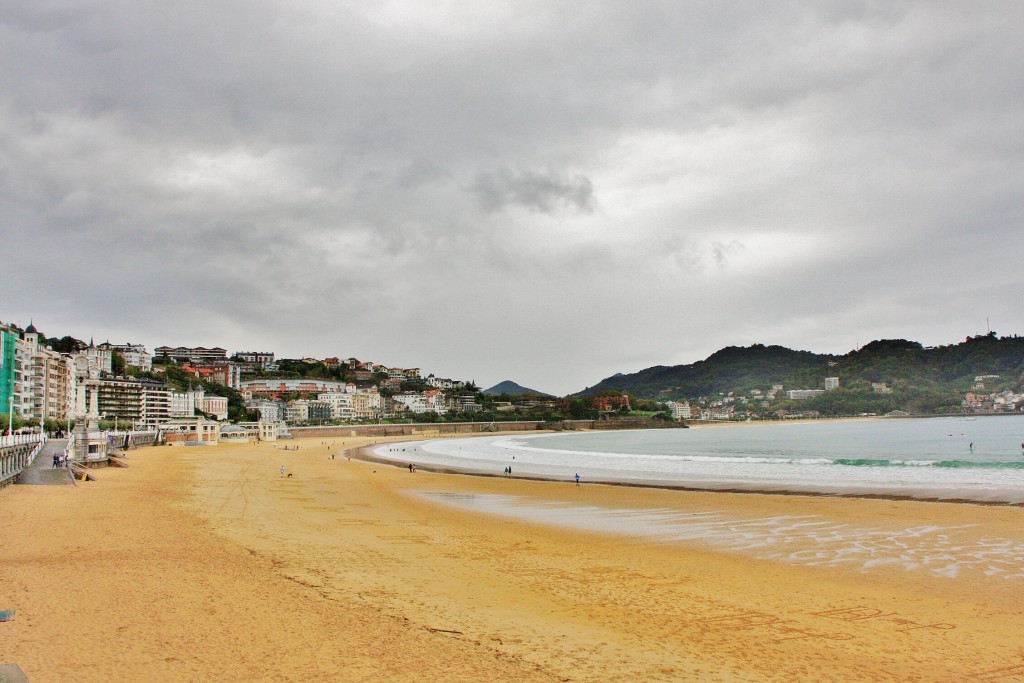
(205,564)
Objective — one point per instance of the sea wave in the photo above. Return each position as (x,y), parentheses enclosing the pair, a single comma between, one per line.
(513,444)
(950,464)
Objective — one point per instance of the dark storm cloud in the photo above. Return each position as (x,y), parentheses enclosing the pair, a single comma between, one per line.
(445,185)
(545,193)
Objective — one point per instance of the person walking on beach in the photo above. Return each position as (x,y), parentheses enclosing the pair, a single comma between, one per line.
(577,478)
(282,470)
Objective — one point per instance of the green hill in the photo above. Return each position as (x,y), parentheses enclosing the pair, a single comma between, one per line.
(916,379)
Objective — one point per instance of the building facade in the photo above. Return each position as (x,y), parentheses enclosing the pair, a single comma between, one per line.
(189,354)
(340,404)
(8,348)
(270,411)
(156,402)
(256,359)
(40,384)
(135,355)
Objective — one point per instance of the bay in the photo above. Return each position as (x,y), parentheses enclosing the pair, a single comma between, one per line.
(969,459)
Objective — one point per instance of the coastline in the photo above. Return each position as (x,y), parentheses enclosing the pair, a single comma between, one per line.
(205,563)
(713,473)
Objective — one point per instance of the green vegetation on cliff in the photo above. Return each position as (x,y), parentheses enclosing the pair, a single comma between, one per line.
(885,375)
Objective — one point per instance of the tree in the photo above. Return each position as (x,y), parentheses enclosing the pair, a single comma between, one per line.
(117,363)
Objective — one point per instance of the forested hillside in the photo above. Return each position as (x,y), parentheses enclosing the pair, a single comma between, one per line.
(891,374)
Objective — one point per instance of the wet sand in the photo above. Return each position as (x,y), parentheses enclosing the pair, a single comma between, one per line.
(206,564)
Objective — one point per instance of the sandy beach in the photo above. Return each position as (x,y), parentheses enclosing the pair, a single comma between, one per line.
(207,564)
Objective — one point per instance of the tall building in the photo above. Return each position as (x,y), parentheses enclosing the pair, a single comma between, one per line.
(156,402)
(42,383)
(121,398)
(8,347)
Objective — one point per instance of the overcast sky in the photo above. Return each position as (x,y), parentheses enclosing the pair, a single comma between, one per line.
(549,192)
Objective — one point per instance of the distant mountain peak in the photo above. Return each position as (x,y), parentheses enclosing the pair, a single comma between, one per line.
(511,388)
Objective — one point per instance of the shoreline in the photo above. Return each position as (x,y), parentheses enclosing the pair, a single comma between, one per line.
(365,454)
(867,488)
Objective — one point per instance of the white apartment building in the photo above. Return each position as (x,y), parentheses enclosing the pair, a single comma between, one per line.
(439,383)
(99,357)
(409,402)
(256,358)
(184,403)
(270,411)
(680,409)
(435,401)
(296,411)
(425,402)
(135,355)
(801,394)
(341,403)
(831,383)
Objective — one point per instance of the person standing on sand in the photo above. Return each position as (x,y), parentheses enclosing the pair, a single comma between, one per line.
(282,470)
(577,478)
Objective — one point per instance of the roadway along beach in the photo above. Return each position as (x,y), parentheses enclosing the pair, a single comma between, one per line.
(207,564)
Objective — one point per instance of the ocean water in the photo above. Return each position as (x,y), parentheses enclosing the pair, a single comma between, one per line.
(978,459)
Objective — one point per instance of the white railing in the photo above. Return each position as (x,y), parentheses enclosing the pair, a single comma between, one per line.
(35,451)
(21,439)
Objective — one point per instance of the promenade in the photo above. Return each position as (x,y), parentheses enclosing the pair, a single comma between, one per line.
(42,471)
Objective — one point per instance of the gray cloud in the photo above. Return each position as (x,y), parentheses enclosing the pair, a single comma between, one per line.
(545,193)
(539,191)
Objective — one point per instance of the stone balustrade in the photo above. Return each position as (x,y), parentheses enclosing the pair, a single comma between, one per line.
(17,452)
